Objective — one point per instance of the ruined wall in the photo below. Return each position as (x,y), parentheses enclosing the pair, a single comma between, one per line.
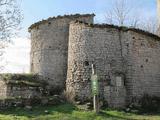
(18,91)
(101,46)
(22,91)
(3,89)
(22,86)
(141,52)
(126,59)
(49,48)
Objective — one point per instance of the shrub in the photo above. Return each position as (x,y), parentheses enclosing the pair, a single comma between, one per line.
(149,103)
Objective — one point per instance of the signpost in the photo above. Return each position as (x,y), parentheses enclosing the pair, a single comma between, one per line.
(94,79)
(95,89)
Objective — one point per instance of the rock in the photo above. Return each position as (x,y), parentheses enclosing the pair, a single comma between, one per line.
(83,107)
(56,95)
(46,111)
(62,101)
(18,104)
(44,101)
(28,107)
(89,104)
(78,102)
(134,111)
(128,109)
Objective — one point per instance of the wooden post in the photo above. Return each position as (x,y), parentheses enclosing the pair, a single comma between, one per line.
(95,96)
(93,69)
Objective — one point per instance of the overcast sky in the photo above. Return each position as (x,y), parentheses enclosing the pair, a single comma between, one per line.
(17,55)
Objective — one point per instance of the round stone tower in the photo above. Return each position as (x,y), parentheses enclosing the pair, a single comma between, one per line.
(100,45)
(49,48)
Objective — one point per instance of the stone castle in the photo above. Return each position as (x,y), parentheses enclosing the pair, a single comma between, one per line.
(63,48)
(126,59)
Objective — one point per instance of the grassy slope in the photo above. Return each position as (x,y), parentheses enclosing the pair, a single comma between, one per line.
(69,112)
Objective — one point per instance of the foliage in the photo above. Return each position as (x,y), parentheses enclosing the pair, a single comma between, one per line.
(119,14)
(123,14)
(10,19)
(145,104)
(19,76)
(69,112)
(149,103)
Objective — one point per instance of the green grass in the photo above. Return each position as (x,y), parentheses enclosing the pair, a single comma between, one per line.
(69,112)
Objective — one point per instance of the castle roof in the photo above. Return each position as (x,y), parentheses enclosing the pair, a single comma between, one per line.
(123,28)
(58,17)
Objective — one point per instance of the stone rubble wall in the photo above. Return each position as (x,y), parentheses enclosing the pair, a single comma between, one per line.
(49,49)
(126,59)
(127,62)
(21,91)
(115,96)
(143,67)
(100,46)
(18,91)
(3,89)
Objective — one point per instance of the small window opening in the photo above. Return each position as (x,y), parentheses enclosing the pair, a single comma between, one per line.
(49,23)
(141,66)
(124,82)
(86,63)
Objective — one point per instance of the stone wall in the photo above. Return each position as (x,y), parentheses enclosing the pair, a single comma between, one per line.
(21,86)
(49,48)
(3,89)
(19,91)
(102,47)
(126,59)
(23,91)
(143,68)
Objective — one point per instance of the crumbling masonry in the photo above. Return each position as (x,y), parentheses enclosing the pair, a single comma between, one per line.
(127,60)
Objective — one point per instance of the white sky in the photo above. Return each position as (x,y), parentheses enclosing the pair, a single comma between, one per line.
(17,56)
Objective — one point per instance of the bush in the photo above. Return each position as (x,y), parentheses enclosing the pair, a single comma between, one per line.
(149,103)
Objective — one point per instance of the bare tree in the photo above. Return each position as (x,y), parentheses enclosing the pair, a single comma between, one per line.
(109,17)
(119,13)
(10,18)
(150,24)
(134,21)
(123,15)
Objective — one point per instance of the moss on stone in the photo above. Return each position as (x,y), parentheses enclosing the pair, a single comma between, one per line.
(23,79)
